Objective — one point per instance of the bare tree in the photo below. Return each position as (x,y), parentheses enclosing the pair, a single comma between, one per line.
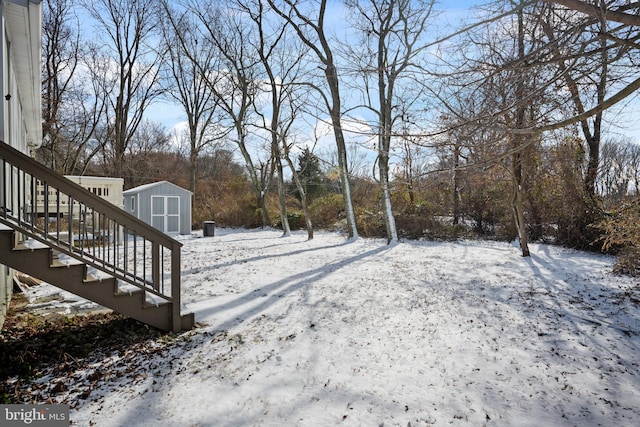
(618,174)
(235,86)
(392,39)
(624,12)
(520,140)
(513,91)
(187,55)
(61,55)
(71,110)
(588,77)
(300,186)
(278,68)
(623,37)
(309,25)
(140,162)
(613,11)
(125,29)
(281,58)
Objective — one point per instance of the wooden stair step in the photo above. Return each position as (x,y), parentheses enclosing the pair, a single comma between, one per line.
(66,272)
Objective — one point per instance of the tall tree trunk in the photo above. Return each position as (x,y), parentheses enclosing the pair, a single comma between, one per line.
(266,173)
(408,173)
(517,157)
(264,214)
(301,190)
(456,184)
(336,122)
(286,229)
(592,137)
(193,163)
(384,145)
(303,26)
(389,220)
(303,199)
(518,203)
(119,137)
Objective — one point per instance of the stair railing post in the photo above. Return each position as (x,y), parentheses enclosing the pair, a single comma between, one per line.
(176,319)
(155,266)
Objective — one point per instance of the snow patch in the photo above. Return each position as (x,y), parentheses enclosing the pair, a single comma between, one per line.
(328,331)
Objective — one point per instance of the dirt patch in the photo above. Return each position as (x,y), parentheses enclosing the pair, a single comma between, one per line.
(34,344)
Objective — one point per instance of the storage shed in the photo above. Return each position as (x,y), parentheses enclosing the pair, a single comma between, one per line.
(163,205)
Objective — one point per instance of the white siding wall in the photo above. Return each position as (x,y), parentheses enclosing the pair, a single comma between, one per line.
(20,103)
(15,131)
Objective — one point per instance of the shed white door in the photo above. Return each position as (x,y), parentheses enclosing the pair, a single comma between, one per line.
(165,213)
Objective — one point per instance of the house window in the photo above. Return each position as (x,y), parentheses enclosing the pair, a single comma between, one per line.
(133,203)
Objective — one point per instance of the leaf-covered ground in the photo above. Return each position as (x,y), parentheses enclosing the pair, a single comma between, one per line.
(59,346)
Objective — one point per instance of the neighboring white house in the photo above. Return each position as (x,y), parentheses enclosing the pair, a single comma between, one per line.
(109,189)
(20,102)
(163,205)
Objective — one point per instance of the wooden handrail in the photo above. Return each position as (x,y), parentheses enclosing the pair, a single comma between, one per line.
(81,194)
(141,259)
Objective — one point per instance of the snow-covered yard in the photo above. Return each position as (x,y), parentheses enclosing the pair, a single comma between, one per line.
(332,332)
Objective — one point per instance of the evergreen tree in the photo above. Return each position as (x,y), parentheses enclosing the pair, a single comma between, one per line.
(311,176)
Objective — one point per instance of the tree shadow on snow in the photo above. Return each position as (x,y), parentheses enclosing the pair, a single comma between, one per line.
(270,294)
(216,266)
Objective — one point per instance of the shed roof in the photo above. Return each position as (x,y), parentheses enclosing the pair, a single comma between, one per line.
(149,186)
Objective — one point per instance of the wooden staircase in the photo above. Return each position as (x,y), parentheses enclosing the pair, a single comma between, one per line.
(106,256)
